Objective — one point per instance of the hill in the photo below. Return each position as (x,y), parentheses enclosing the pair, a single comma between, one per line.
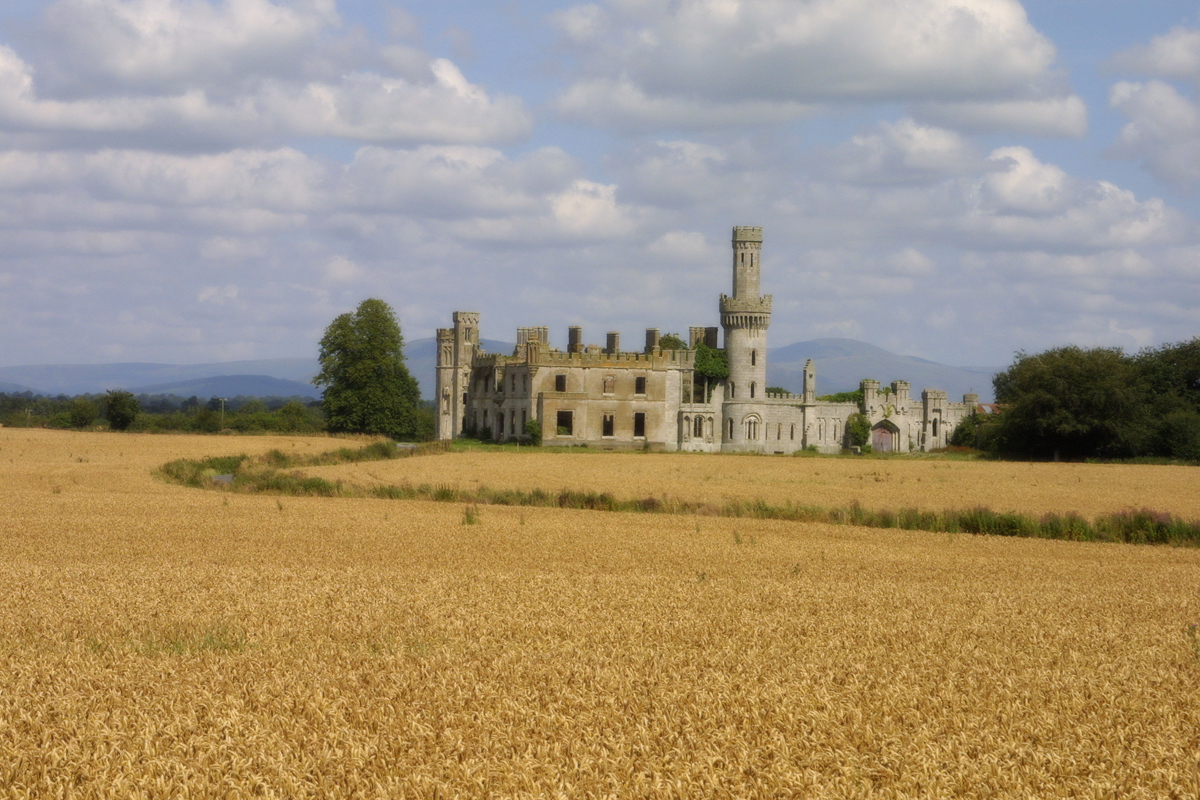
(841,364)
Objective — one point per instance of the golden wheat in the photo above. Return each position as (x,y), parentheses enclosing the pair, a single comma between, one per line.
(928,484)
(160,641)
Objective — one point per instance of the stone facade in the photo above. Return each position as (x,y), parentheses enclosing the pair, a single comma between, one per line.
(610,398)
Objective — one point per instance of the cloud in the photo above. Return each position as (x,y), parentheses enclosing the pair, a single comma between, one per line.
(714,63)
(1163,132)
(1174,55)
(169,74)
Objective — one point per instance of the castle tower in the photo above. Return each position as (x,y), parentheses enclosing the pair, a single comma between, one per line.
(745,316)
(456,348)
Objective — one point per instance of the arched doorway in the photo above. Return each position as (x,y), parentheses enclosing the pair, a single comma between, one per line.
(885,437)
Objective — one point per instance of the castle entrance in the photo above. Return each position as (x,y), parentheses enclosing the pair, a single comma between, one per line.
(883,437)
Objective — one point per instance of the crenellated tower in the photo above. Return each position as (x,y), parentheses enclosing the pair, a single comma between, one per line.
(745,317)
(455,348)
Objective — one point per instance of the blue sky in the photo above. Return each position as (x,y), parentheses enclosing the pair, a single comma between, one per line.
(191,181)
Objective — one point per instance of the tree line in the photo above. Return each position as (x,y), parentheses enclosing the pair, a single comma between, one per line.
(1074,403)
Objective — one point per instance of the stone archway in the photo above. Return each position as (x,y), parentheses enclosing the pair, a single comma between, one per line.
(885,437)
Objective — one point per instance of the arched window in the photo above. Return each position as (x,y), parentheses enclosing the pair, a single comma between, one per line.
(935,422)
(751,429)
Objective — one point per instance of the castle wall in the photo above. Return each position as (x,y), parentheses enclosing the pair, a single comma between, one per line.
(604,397)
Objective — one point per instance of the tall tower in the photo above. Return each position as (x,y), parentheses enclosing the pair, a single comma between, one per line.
(745,316)
(456,348)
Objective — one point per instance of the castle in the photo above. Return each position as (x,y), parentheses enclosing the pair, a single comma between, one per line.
(657,399)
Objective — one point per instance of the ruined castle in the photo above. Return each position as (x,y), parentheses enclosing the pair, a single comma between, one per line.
(656,399)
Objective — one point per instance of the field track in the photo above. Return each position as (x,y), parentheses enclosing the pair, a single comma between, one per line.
(157,640)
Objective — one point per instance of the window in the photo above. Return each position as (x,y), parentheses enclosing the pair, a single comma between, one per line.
(499,424)
(464,398)
(513,382)
(751,390)
(732,389)
(639,425)
(779,431)
(935,422)
(687,428)
(730,429)
(560,383)
(564,424)
(639,385)
(524,383)
(524,419)
(793,431)
(610,384)
(699,431)
(751,429)
(753,358)
(608,425)
(512,424)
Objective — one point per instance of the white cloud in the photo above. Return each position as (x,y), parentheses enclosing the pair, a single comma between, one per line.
(1163,132)
(902,152)
(1055,116)
(1173,55)
(712,63)
(171,74)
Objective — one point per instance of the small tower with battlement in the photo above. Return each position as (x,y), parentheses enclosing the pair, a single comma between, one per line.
(745,316)
(455,348)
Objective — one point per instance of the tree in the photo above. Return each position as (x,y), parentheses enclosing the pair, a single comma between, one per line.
(368,388)
(858,430)
(83,412)
(1074,403)
(671,341)
(121,408)
(711,365)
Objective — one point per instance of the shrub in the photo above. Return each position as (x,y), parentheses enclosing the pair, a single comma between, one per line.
(121,408)
(83,412)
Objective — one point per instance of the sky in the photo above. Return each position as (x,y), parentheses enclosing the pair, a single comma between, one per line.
(187,181)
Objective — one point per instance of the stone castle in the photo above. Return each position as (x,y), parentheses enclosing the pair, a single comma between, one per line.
(609,398)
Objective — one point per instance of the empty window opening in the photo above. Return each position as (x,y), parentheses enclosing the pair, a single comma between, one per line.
(793,431)
(564,425)
(935,427)
(730,429)
(464,398)
(499,424)
(639,425)
(752,390)
(732,389)
(639,385)
(699,432)
(560,383)
(524,383)
(753,358)
(751,429)
(608,425)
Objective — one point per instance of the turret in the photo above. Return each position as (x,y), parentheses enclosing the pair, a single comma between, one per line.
(745,316)
(456,348)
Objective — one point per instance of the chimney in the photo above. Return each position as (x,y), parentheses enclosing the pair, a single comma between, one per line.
(574,339)
(614,342)
(651,340)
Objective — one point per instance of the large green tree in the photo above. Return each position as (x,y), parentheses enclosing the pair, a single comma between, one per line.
(368,388)
(1073,402)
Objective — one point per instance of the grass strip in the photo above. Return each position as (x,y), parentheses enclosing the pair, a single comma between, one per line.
(266,475)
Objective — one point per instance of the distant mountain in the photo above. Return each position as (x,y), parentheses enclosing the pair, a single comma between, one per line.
(16,388)
(842,363)
(232,386)
(93,378)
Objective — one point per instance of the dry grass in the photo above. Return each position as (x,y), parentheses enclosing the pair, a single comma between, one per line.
(157,640)
(935,485)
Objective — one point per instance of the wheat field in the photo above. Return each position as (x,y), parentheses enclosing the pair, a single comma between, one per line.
(162,641)
(924,483)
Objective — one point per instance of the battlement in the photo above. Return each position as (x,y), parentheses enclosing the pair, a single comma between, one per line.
(747,234)
(592,357)
(745,305)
